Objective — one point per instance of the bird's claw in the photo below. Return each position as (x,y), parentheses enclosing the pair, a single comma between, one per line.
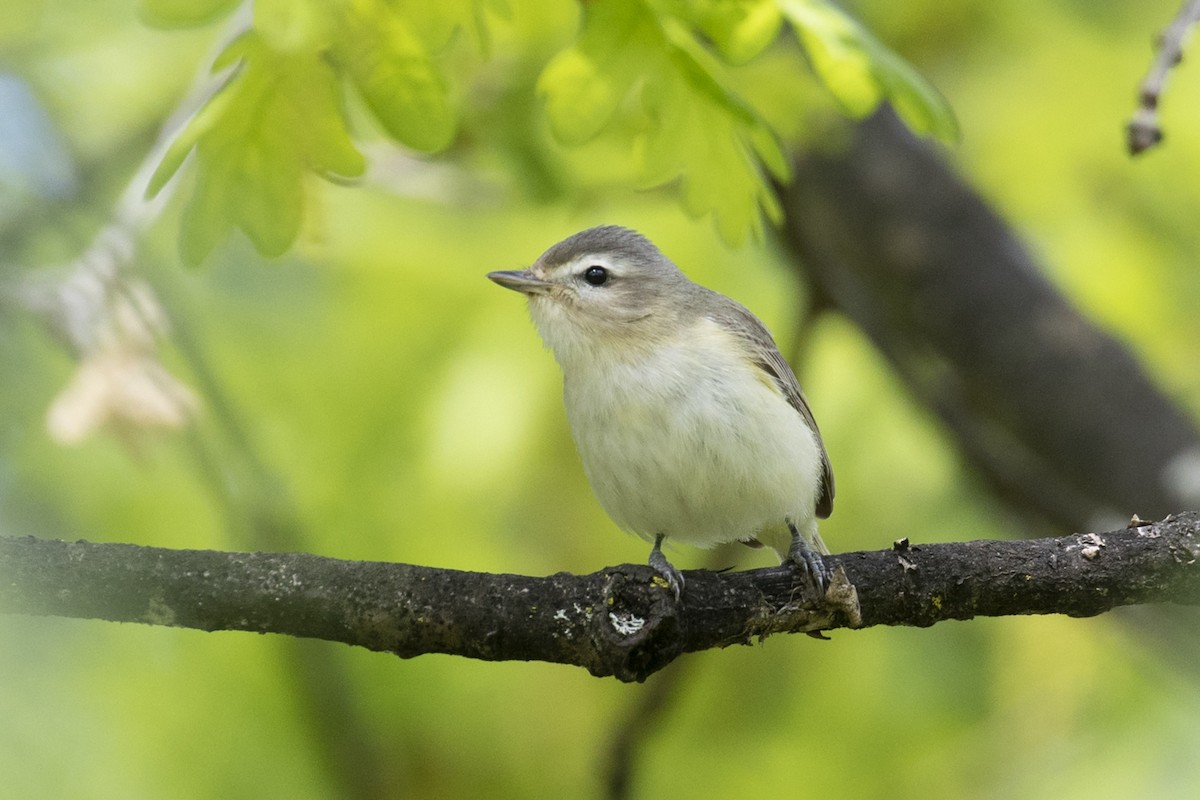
(665,569)
(809,562)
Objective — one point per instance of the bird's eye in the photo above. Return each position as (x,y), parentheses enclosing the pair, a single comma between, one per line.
(596,275)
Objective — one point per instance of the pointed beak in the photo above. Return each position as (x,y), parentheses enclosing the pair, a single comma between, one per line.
(520,281)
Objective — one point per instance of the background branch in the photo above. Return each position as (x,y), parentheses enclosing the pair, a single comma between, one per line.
(1144,130)
(1056,414)
(613,622)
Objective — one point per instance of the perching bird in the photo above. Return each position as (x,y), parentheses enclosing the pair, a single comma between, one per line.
(690,424)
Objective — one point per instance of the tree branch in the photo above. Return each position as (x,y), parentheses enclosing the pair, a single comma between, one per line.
(617,621)
(959,306)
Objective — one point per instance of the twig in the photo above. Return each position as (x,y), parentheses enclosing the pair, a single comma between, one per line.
(1144,130)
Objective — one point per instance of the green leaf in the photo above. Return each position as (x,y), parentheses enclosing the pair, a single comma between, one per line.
(768,149)
(277,118)
(248,174)
(860,71)
(710,140)
(205,218)
(185,141)
(717,171)
(697,66)
(582,86)
(239,48)
(183,13)
(266,190)
(293,25)
(312,113)
(917,101)
(436,23)
(392,69)
(499,8)
(698,132)
(740,29)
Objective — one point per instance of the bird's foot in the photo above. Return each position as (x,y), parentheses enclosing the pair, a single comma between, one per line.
(808,561)
(666,569)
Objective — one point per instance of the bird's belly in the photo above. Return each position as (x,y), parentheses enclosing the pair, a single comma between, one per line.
(701,461)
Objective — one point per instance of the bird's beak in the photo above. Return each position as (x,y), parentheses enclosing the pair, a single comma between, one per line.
(521,280)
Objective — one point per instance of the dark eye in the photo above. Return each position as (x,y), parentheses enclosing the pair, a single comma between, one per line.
(596,275)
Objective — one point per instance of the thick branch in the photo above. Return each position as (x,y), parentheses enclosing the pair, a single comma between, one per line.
(618,621)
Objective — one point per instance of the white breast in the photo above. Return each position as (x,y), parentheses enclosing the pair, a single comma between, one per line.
(693,441)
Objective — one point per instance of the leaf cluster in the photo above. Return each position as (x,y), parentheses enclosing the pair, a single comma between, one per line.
(280,113)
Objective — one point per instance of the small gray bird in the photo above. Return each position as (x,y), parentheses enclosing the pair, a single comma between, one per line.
(690,424)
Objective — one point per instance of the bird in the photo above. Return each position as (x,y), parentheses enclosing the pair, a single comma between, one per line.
(690,425)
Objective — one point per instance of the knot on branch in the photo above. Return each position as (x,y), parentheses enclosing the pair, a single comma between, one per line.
(639,630)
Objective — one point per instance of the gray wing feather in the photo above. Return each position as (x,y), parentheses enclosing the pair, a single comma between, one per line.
(740,321)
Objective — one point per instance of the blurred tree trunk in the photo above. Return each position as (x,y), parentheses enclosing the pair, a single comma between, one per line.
(1055,414)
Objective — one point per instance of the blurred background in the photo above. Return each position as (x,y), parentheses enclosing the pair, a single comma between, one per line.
(370,395)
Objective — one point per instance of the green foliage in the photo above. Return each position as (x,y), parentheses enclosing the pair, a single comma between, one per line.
(438,22)
(276,118)
(391,67)
(739,29)
(698,130)
(280,116)
(860,72)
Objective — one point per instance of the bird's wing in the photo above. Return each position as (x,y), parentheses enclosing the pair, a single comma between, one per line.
(741,322)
